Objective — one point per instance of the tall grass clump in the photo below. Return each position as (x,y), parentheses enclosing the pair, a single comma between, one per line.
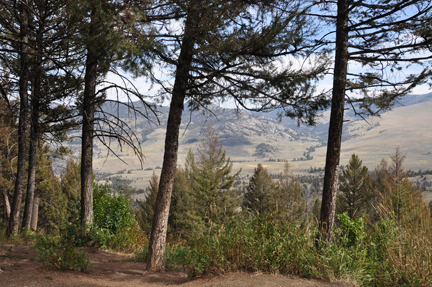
(395,252)
(403,239)
(262,244)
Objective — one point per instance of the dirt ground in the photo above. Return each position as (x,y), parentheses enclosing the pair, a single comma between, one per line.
(18,268)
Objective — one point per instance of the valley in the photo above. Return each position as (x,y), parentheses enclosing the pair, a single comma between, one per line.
(252,138)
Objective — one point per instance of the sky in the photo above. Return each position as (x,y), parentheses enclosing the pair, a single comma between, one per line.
(147,89)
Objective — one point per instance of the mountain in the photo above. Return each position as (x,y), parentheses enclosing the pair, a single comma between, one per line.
(321,129)
(252,138)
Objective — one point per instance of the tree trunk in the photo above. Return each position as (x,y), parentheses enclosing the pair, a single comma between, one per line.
(35,215)
(328,206)
(157,244)
(22,127)
(89,108)
(34,142)
(32,166)
(7,205)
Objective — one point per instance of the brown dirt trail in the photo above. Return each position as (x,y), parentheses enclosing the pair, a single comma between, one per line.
(18,268)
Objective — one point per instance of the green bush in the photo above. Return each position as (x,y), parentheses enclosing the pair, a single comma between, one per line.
(61,255)
(351,232)
(112,210)
(385,255)
(114,225)
(85,236)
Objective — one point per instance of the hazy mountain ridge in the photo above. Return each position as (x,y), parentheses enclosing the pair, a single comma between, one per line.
(351,128)
(240,125)
(251,138)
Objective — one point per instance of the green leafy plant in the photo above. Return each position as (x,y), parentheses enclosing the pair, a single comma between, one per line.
(351,232)
(63,256)
(111,209)
(82,236)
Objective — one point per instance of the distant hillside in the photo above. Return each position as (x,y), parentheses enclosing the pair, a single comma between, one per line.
(321,129)
(252,138)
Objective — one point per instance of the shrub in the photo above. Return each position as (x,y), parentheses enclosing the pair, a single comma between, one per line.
(114,225)
(112,210)
(84,236)
(61,255)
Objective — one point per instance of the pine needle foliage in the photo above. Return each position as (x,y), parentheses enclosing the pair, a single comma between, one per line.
(259,192)
(354,186)
(146,212)
(290,194)
(70,181)
(215,198)
(183,220)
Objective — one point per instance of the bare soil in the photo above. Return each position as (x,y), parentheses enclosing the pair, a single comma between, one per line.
(18,267)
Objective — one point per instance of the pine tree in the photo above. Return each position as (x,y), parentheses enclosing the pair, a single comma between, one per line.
(147,208)
(216,201)
(51,212)
(228,48)
(259,192)
(8,152)
(394,190)
(23,18)
(289,193)
(70,181)
(103,30)
(354,184)
(316,210)
(183,219)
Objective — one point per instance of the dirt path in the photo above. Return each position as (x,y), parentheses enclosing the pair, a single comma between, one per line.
(18,268)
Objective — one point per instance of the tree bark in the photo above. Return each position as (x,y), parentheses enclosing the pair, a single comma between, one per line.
(328,206)
(34,143)
(35,215)
(89,108)
(22,126)
(157,244)
(7,204)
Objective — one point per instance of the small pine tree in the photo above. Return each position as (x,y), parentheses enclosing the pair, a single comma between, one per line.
(354,186)
(430,207)
(259,192)
(216,200)
(146,212)
(289,193)
(396,193)
(71,188)
(183,221)
(51,211)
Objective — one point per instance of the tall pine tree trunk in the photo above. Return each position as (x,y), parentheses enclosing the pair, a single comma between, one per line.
(34,143)
(328,206)
(7,209)
(23,119)
(35,213)
(88,114)
(89,108)
(157,244)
